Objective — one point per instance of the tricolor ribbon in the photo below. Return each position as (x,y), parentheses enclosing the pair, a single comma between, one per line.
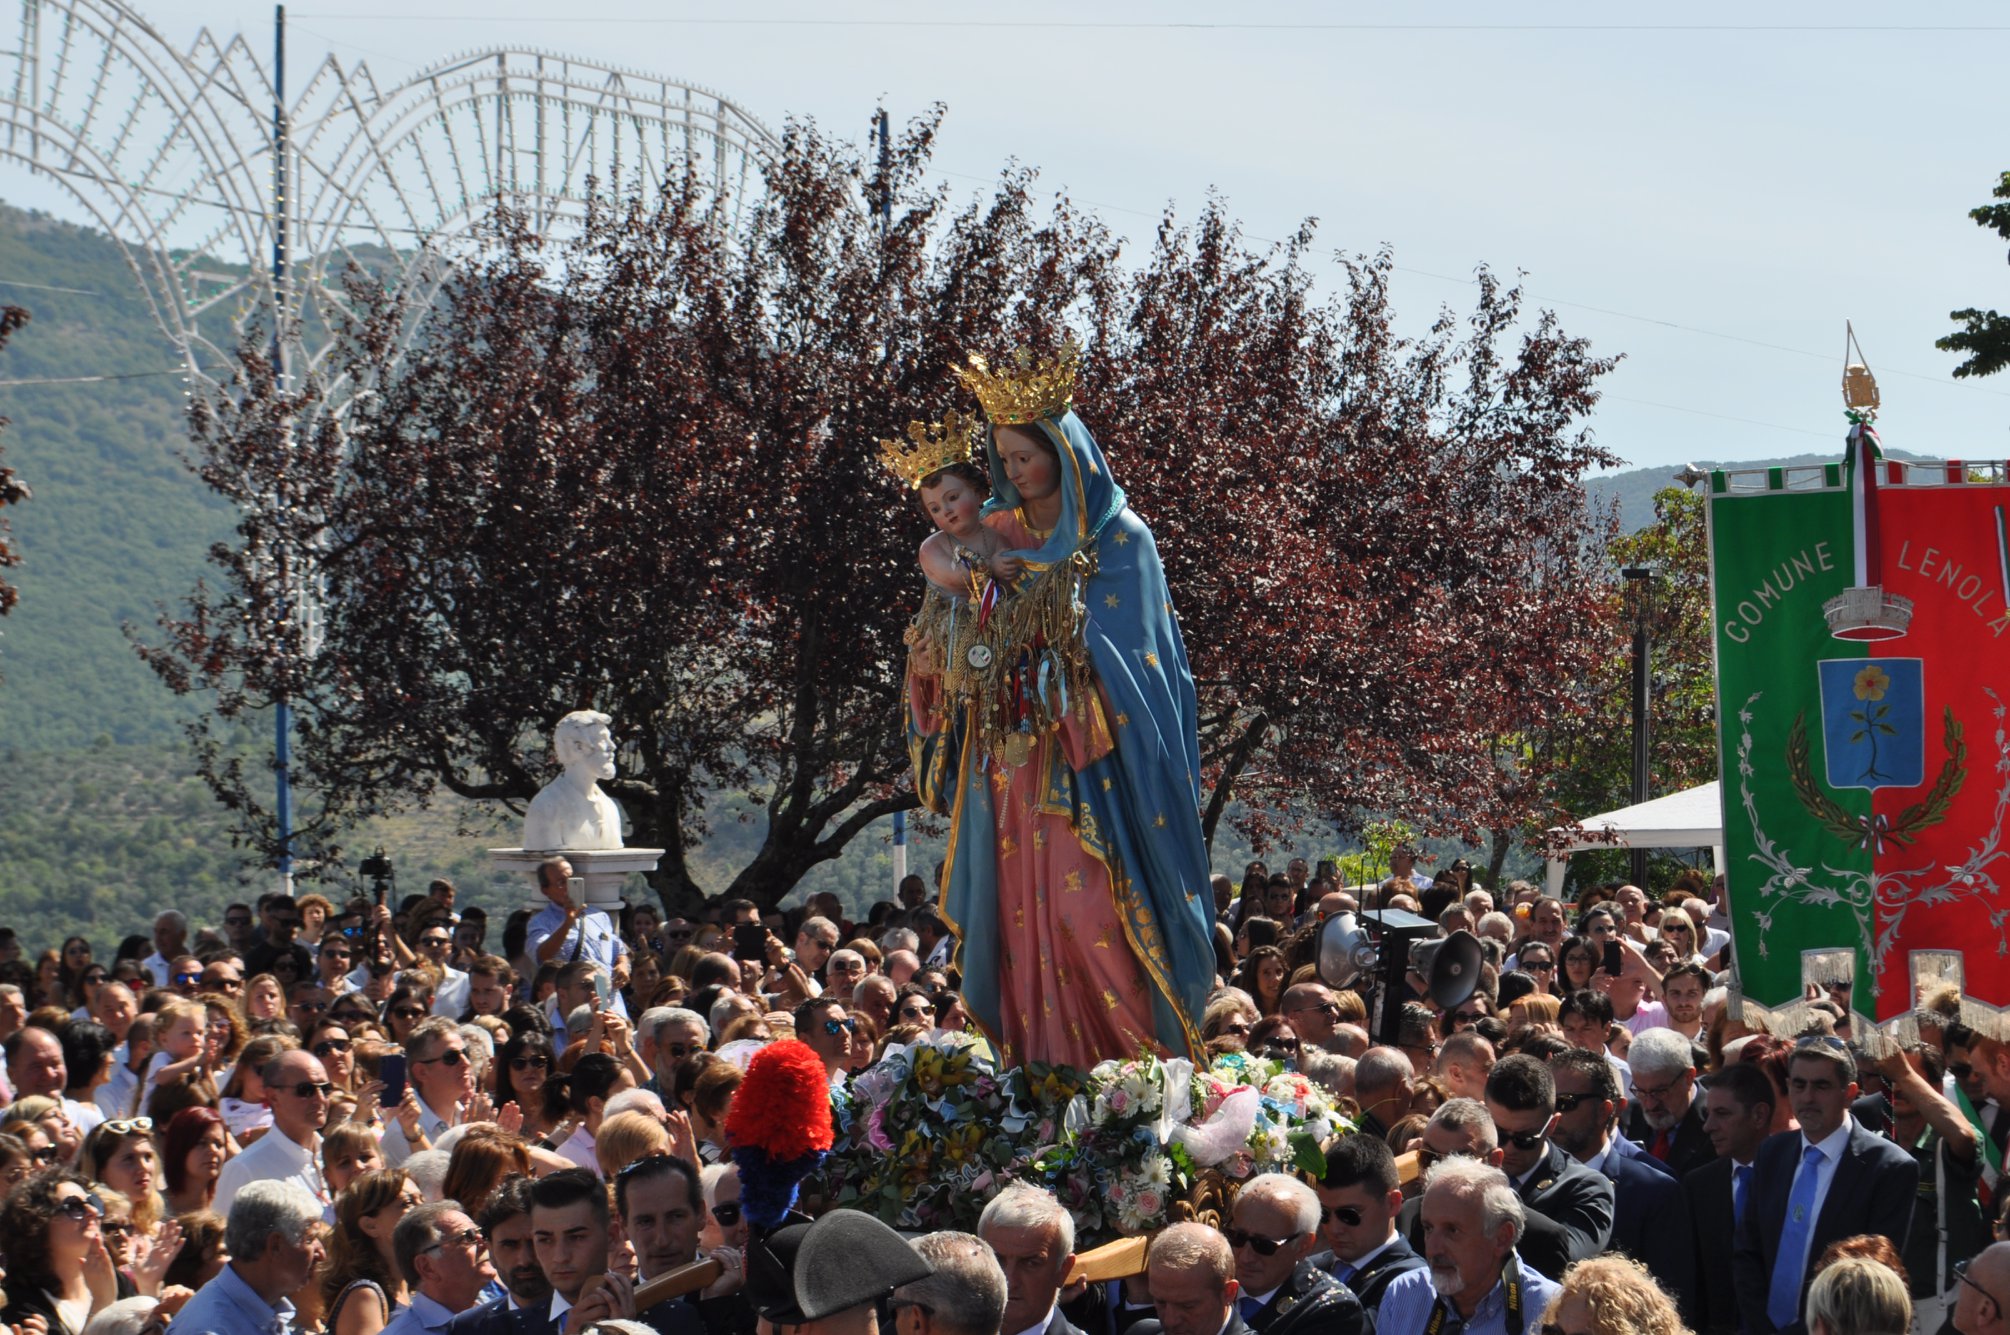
(1874,829)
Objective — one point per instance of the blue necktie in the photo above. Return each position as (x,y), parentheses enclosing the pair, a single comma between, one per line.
(1783,1303)
(1247,1307)
(1741,1189)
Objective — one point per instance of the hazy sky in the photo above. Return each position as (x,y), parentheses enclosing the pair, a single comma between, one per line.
(1684,195)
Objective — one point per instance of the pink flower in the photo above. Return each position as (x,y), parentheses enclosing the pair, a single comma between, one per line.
(1149,1203)
(875,1130)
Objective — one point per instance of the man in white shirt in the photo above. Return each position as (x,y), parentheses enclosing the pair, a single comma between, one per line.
(436,946)
(444,1260)
(437,1067)
(297,1090)
(1033,1237)
(170,940)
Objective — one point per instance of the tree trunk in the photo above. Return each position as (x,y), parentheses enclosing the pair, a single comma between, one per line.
(1231,770)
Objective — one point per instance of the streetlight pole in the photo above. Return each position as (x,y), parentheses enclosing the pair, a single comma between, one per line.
(1640,579)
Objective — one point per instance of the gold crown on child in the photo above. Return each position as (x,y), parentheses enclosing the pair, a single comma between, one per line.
(936,445)
(1027,390)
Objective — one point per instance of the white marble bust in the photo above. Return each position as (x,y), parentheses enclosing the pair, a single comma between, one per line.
(571,811)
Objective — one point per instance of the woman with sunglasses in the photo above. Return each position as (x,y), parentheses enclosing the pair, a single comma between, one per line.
(142,1260)
(47,1116)
(330,1043)
(76,964)
(360,1284)
(193,1150)
(913,1005)
(57,1265)
(1679,931)
(523,1076)
(120,1153)
(19,1160)
(406,1007)
(1273,1037)
(225,1027)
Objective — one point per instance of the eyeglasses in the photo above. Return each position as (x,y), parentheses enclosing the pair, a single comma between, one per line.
(679,934)
(1820,1041)
(436,942)
(125,1126)
(1261,1246)
(1640,1090)
(681,1050)
(1961,1273)
(46,1154)
(1280,1045)
(834,1026)
(408,1013)
(1466,1017)
(1539,966)
(307,1089)
(188,978)
(236,920)
(1570,1102)
(117,1228)
(916,1012)
(81,1208)
(467,1237)
(1521,1140)
(451,1058)
(727,1213)
(328,1047)
(528,1063)
(1324,1007)
(1347,1215)
(310,1007)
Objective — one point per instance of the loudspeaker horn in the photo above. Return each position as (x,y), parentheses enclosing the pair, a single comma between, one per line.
(1455,970)
(1345,950)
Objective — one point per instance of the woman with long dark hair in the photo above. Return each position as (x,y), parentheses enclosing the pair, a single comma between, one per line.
(193,1150)
(360,1284)
(524,1076)
(1262,974)
(58,1267)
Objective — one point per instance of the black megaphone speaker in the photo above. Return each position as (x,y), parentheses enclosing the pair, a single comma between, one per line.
(1455,970)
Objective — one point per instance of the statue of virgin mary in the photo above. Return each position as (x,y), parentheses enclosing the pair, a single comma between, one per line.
(1053,723)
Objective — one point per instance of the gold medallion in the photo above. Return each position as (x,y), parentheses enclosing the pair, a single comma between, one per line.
(1018,749)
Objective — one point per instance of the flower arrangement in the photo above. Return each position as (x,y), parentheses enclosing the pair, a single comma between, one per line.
(931,1132)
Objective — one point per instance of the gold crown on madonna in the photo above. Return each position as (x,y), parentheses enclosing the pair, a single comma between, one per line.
(935,446)
(1027,390)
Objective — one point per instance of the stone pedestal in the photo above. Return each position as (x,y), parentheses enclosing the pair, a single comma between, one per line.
(603,868)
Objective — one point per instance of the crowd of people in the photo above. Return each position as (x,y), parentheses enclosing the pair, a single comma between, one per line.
(349,1118)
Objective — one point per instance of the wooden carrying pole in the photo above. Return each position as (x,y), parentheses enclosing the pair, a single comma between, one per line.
(670,1284)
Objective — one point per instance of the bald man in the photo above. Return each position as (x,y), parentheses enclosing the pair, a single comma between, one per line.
(1985,1287)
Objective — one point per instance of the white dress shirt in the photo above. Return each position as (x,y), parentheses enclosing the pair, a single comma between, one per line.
(273,1157)
(396,1148)
(1832,1147)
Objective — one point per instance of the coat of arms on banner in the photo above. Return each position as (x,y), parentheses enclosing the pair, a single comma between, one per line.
(1860,608)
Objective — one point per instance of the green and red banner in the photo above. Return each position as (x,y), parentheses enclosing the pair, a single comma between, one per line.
(1862,614)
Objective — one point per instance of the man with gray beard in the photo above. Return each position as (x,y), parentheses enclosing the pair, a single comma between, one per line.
(1476,1283)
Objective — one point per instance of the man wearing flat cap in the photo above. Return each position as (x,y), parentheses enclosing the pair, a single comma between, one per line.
(828,1278)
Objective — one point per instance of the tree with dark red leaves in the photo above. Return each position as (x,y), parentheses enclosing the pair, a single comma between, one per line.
(636,472)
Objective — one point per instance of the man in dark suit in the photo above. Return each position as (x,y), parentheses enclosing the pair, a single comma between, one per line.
(1666,1117)
(1737,1116)
(1190,1271)
(525,1307)
(1569,1206)
(1831,1179)
(1650,1219)
(1033,1237)
(1360,1195)
(1272,1232)
(662,1210)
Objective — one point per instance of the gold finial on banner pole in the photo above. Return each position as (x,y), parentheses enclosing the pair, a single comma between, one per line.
(1859,386)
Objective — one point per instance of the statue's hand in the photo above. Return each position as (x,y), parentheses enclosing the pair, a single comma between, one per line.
(1006,566)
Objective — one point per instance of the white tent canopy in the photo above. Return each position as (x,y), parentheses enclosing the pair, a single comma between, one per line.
(1692,818)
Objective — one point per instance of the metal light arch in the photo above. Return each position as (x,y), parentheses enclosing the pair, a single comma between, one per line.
(172,153)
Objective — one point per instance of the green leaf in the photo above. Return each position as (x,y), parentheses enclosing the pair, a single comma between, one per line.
(1856,736)
(1887,730)
(1306,1156)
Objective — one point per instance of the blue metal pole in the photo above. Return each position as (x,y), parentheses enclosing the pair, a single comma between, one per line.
(282,714)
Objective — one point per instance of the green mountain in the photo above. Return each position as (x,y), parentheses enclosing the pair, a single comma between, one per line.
(1633,490)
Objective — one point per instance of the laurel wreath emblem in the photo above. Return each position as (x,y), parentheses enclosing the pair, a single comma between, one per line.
(1864,831)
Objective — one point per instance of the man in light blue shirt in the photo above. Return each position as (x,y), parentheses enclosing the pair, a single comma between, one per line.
(444,1259)
(564,931)
(273,1252)
(1476,1283)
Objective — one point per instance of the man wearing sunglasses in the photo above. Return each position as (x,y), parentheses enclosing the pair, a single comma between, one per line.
(505,1222)
(823,1023)
(666,1035)
(297,1091)
(1978,1308)
(1650,1220)
(1360,1195)
(1569,1206)
(1273,1230)
(1666,1116)
(444,1260)
(436,1063)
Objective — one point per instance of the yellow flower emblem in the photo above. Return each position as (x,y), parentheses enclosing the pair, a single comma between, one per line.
(1872,683)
